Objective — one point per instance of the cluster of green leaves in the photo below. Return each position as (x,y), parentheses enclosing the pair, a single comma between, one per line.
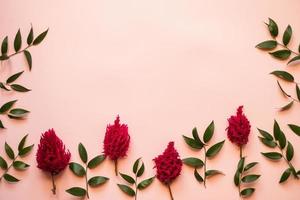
(138,170)
(197,144)
(283,54)
(278,140)
(14,113)
(10,85)
(31,41)
(242,176)
(16,163)
(81,171)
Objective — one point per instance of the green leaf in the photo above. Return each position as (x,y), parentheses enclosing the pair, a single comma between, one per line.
(212,151)
(40,38)
(28,58)
(145,183)
(10,178)
(250,178)
(267,45)
(1,125)
(5,107)
(285,175)
(241,164)
(22,143)
(287,106)
(136,165)
(127,178)
(14,77)
(247,192)
(77,169)
(141,170)
(273,28)
(25,150)
(196,136)
(276,130)
(10,153)
(18,113)
(97,180)
(4,87)
(283,75)
(289,152)
(82,153)
(272,155)
(294,59)
(209,132)
(19,88)
(4,46)
(3,163)
(77,191)
(198,176)
(268,143)
(96,161)
(298,92)
(30,36)
(236,178)
(193,162)
(192,143)
(265,134)
(210,173)
(287,35)
(126,189)
(281,54)
(250,165)
(18,41)
(19,165)
(295,129)
(282,140)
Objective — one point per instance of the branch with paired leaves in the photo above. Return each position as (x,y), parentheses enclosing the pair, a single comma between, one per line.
(242,176)
(285,52)
(138,171)
(31,41)
(16,163)
(286,150)
(13,113)
(81,171)
(197,144)
(9,84)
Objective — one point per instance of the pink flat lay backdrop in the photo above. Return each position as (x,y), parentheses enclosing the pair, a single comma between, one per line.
(165,66)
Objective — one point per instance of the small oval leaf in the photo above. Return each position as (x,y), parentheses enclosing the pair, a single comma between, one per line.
(287,35)
(213,150)
(250,165)
(296,58)
(295,129)
(9,151)
(5,107)
(267,45)
(77,169)
(127,178)
(285,175)
(18,113)
(18,41)
(4,46)
(198,176)
(141,170)
(272,155)
(193,162)
(97,180)
(250,178)
(283,75)
(25,150)
(82,153)
(126,189)
(289,152)
(10,178)
(210,173)
(209,132)
(265,134)
(268,143)
(19,165)
(273,28)
(28,58)
(96,161)
(19,88)
(281,54)
(40,38)
(30,36)
(136,165)
(145,183)
(77,191)
(247,192)
(3,163)
(14,77)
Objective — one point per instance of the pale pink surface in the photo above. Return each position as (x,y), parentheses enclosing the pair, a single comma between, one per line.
(165,66)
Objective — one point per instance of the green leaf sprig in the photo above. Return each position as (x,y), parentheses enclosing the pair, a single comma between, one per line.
(286,150)
(31,41)
(16,163)
(14,113)
(138,170)
(10,85)
(197,144)
(283,53)
(81,171)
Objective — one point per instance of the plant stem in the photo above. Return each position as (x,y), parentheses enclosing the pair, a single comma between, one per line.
(86,182)
(204,181)
(170,191)
(240,174)
(9,167)
(136,189)
(289,164)
(116,167)
(9,56)
(241,152)
(288,48)
(53,184)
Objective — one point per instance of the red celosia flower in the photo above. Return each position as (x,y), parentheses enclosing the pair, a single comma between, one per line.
(52,155)
(168,166)
(116,141)
(239,127)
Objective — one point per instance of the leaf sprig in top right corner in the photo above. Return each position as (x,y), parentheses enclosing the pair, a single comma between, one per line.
(138,170)
(285,150)
(197,144)
(283,53)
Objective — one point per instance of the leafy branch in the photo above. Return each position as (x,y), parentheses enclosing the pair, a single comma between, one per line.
(81,171)
(197,144)
(17,164)
(286,150)
(138,171)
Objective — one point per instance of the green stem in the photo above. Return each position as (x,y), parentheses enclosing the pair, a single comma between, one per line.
(136,189)
(289,163)
(53,184)
(19,52)
(116,167)
(205,159)
(170,191)
(9,167)
(288,48)
(86,182)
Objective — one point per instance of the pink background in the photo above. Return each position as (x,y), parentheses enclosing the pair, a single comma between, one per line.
(165,66)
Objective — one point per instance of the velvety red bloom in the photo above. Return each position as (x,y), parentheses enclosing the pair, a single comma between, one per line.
(116,141)
(239,127)
(52,155)
(168,165)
